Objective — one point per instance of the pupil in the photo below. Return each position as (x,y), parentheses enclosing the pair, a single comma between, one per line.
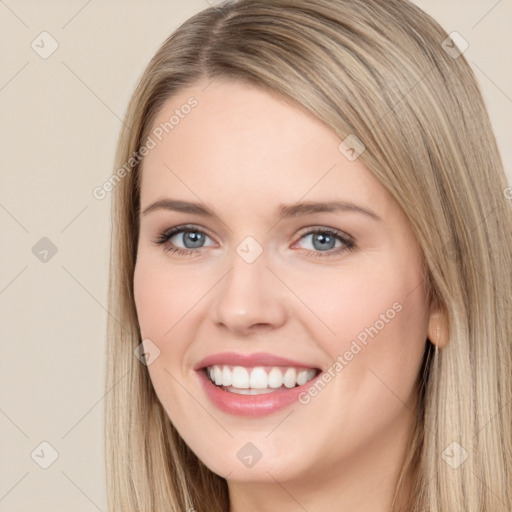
(195,238)
(323,239)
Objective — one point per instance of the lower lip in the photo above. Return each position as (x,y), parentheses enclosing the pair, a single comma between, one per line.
(252,405)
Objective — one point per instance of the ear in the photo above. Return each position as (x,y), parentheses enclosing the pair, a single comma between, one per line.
(438,327)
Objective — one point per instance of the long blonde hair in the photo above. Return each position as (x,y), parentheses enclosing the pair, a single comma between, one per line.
(382,70)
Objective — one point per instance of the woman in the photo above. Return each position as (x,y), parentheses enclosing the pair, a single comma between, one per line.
(311,264)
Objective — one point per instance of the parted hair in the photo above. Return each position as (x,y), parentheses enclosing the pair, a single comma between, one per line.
(386,72)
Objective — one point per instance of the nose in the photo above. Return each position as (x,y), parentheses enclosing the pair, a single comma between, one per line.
(249,298)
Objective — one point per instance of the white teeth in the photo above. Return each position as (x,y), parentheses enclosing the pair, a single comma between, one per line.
(275,378)
(302,377)
(239,378)
(217,373)
(249,391)
(290,378)
(226,376)
(259,378)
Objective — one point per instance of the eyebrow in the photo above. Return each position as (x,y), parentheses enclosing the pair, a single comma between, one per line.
(283,212)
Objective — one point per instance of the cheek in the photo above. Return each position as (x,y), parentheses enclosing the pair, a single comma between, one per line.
(161,297)
(379,321)
(374,323)
(353,303)
(162,300)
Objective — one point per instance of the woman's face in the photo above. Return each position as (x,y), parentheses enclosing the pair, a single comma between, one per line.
(266,275)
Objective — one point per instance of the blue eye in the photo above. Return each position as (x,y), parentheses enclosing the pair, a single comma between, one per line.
(192,238)
(323,241)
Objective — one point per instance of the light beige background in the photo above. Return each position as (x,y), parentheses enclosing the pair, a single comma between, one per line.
(60,118)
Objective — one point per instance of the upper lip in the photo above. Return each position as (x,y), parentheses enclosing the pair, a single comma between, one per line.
(249,360)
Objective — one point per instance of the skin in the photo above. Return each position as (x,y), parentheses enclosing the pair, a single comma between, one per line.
(244,152)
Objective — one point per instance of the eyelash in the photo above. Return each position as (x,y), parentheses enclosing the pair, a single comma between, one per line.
(165,236)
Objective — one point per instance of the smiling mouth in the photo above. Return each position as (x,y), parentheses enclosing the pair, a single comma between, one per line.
(259,379)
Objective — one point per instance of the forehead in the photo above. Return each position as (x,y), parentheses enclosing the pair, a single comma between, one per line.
(243,144)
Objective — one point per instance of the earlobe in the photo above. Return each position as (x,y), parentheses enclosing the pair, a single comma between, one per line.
(438,328)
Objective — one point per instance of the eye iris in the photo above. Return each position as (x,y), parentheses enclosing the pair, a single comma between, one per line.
(325,241)
(196,239)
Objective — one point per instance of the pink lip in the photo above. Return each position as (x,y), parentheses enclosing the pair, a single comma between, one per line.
(249,360)
(252,405)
